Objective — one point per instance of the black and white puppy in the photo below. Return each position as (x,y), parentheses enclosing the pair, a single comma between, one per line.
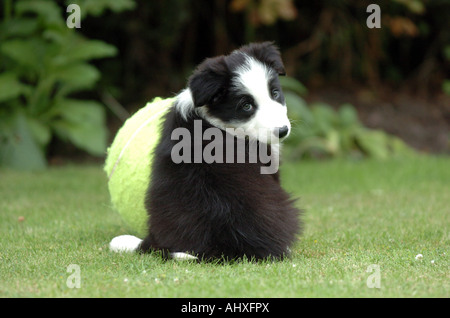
(227,208)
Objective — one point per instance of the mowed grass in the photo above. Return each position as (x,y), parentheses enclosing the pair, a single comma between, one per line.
(358,216)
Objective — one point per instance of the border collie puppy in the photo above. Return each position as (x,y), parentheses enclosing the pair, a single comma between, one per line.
(227,208)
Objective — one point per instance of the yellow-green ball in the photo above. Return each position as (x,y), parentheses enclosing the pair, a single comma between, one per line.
(128,163)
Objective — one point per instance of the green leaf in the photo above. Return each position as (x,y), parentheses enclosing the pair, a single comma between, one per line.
(83,124)
(297,108)
(41,132)
(28,53)
(17,146)
(19,27)
(312,146)
(399,148)
(75,77)
(347,140)
(75,48)
(293,85)
(11,87)
(325,117)
(92,49)
(49,11)
(332,142)
(374,143)
(348,116)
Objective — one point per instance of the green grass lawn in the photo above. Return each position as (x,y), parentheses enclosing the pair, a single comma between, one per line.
(357,214)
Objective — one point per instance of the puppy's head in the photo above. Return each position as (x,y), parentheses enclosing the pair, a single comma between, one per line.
(241,90)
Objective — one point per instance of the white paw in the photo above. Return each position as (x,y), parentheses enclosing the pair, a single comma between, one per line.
(124,243)
(182,256)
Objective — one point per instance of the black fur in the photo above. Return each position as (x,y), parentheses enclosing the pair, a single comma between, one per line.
(217,210)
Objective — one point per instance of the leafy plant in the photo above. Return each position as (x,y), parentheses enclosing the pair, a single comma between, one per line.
(321,131)
(42,64)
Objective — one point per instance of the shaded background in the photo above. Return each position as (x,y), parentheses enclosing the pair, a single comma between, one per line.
(396,78)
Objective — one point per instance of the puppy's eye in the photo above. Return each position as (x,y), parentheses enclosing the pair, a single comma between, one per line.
(247,107)
(275,93)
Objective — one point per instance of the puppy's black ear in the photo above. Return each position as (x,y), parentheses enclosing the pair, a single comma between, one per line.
(209,81)
(267,53)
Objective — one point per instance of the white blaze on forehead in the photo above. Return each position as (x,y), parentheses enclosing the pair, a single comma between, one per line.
(254,77)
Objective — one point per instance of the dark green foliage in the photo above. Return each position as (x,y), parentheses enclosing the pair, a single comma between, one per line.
(43,63)
(319,131)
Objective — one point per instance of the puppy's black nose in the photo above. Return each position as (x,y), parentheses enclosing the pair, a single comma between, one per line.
(282,131)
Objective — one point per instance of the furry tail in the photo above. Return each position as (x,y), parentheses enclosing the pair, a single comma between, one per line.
(125,243)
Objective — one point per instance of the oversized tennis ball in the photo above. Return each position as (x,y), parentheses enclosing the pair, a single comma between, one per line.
(128,163)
